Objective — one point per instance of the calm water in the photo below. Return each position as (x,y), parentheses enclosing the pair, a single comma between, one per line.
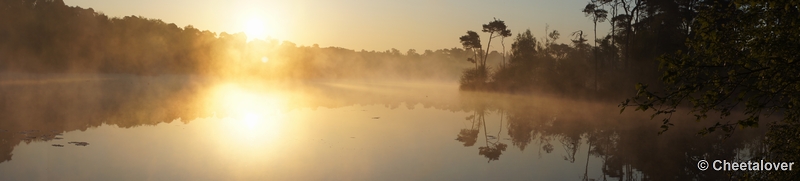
(81,127)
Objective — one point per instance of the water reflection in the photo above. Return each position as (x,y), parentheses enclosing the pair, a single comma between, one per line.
(493,148)
(35,109)
(470,136)
(255,124)
(627,145)
(253,115)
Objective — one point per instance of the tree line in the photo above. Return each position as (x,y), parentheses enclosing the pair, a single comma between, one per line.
(711,58)
(641,31)
(47,36)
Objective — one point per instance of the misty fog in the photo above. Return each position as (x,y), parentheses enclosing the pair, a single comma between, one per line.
(86,96)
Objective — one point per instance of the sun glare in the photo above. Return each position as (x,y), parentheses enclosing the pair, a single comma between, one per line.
(252,120)
(255,28)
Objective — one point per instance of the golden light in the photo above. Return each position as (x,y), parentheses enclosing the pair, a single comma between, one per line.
(251,122)
(255,28)
(262,19)
(264,59)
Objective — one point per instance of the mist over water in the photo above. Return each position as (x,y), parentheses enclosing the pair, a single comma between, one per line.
(308,130)
(85,96)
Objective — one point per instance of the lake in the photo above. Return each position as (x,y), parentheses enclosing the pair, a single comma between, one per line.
(122,127)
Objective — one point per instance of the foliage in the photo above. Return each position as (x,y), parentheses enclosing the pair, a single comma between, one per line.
(731,65)
(523,49)
(496,28)
(477,78)
(642,30)
(598,14)
(472,42)
(741,58)
(522,63)
(473,78)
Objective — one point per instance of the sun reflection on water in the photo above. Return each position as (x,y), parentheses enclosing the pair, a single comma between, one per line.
(250,123)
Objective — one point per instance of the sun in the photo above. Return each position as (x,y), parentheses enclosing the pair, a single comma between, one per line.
(255,28)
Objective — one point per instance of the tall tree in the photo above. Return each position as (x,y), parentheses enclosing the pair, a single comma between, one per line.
(472,42)
(631,16)
(496,28)
(598,15)
(613,4)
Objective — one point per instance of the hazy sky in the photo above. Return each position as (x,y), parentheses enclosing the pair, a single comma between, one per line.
(352,24)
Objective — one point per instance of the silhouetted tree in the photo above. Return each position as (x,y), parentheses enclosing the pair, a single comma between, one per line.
(631,13)
(472,42)
(497,27)
(598,15)
(477,78)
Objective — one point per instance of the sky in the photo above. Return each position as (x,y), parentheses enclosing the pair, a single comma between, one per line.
(360,24)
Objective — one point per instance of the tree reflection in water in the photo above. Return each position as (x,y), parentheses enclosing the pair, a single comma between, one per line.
(627,145)
(495,148)
(469,136)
